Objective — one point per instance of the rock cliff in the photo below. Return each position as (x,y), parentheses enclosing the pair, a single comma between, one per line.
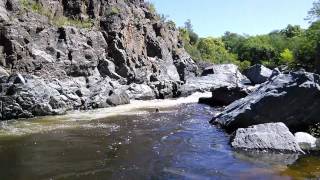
(59,55)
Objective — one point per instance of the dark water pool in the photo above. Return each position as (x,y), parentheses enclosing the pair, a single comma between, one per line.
(177,143)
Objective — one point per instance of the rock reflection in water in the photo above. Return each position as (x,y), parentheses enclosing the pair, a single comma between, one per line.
(267,158)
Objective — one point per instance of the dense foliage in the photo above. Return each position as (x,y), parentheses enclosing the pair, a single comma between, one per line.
(208,49)
(291,46)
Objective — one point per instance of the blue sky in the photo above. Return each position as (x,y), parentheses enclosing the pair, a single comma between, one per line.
(214,17)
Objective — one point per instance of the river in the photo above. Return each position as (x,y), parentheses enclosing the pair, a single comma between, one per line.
(136,142)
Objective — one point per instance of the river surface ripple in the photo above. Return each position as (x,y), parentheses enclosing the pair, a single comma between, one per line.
(135,142)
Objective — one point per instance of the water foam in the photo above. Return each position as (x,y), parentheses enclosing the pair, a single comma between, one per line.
(76,119)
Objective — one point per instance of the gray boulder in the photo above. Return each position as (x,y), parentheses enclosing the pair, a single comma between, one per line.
(258,74)
(215,76)
(25,100)
(119,97)
(266,137)
(292,98)
(140,92)
(306,141)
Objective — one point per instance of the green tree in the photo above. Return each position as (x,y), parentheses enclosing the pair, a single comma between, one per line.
(192,35)
(307,48)
(292,31)
(213,50)
(190,47)
(257,49)
(233,42)
(314,12)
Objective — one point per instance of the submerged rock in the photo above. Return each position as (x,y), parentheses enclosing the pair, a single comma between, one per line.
(292,98)
(258,74)
(266,137)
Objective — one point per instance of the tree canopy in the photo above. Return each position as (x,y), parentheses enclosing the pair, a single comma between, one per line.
(292,46)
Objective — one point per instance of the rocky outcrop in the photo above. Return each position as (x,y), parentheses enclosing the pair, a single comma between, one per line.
(258,74)
(291,98)
(52,62)
(215,76)
(274,137)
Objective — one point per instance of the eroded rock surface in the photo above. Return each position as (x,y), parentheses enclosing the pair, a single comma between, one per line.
(47,68)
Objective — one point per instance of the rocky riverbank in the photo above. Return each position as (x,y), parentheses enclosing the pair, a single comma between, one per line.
(128,52)
(264,117)
(58,56)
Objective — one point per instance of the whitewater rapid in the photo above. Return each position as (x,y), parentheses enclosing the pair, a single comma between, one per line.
(82,119)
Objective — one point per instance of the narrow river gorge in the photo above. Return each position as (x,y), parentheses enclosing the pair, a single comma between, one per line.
(136,142)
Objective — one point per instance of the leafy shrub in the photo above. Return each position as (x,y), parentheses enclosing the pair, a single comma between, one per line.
(286,57)
(243,65)
(213,50)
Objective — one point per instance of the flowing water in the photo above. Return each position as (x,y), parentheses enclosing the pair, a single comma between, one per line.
(135,142)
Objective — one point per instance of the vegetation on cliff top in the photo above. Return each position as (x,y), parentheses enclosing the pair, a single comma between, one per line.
(59,21)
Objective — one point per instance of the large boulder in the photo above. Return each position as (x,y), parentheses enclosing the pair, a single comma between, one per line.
(258,74)
(215,76)
(266,137)
(292,98)
(31,98)
(119,97)
(223,96)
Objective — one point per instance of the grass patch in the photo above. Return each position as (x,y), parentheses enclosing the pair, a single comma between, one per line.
(64,21)
(30,5)
(113,11)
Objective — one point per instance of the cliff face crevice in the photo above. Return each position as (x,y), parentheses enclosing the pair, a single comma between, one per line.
(58,55)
